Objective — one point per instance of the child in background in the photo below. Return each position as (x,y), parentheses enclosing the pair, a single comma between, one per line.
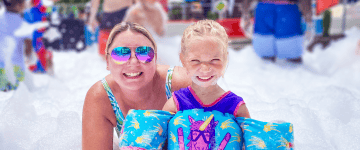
(204,55)
(12,66)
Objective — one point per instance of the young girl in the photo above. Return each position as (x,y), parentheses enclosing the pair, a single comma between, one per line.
(204,55)
(207,117)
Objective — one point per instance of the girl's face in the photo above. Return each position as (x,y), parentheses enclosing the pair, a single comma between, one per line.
(204,61)
(132,74)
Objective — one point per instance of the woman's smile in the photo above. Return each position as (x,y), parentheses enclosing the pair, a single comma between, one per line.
(133,75)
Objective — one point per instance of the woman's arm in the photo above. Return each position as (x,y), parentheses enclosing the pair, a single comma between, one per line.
(97,129)
(180,79)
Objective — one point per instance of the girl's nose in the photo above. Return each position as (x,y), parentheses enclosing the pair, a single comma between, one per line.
(205,68)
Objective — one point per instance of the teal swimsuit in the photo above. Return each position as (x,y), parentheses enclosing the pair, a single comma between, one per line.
(119,115)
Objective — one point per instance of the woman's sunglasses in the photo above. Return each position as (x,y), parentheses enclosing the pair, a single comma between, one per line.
(121,55)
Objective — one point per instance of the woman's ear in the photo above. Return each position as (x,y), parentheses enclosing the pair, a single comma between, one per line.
(107,62)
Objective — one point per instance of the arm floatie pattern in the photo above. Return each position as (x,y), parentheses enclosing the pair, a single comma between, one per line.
(145,129)
(196,129)
(266,135)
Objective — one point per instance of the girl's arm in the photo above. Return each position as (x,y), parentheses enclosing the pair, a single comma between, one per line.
(97,128)
(170,106)
(242,111)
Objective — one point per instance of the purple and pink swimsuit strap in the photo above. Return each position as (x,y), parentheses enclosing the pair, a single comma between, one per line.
(186,99)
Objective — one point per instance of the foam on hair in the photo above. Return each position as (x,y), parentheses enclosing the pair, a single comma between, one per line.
(202,29)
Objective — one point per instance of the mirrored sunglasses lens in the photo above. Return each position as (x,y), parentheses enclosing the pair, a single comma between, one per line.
(145,54)
(121,55)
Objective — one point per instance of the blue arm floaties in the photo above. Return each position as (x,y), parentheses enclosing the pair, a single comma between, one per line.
(196,129)
(266,135)
(145,129)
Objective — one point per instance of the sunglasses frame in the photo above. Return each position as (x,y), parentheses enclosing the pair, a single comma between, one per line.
(201,133)
(107,53)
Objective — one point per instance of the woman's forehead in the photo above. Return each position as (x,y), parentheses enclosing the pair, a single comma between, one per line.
(129,38)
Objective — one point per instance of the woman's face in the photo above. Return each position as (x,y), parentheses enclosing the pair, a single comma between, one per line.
(133,74)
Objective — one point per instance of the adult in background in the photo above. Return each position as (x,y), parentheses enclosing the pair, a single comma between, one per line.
(150,14)
(113,13)
(277,28)
(135,82)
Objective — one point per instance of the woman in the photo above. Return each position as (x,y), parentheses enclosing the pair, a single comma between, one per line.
(135,82)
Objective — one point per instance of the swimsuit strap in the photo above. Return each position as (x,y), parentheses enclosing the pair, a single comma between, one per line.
(118,113)
(168,81)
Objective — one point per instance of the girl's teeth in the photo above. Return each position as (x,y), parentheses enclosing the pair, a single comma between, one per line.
(204,78)
(132,74)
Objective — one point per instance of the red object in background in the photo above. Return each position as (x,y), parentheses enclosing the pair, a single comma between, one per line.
(164,4)
(36,2)
(322,5)
(43,9)
(232,27)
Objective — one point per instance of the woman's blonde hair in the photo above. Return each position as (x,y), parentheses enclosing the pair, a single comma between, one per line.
(124,26)
(203,29)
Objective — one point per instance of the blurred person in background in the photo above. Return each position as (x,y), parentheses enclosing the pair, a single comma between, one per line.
(37,13)
(277,28)
(148,13)
(91,35)
(113,13)
(135,82)
(13,32)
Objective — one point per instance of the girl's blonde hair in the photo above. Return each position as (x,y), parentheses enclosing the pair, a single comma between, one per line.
(124,26)
(203,29)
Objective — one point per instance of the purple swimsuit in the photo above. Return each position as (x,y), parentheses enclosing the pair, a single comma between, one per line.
(186,98)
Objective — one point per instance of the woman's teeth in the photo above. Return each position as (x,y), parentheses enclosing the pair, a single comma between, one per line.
(132,74)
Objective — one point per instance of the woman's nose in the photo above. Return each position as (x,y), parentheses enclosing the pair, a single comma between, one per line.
(133,60)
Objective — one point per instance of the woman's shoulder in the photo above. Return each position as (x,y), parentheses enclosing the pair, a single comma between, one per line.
(97,106)
(97,95)
(162,70)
